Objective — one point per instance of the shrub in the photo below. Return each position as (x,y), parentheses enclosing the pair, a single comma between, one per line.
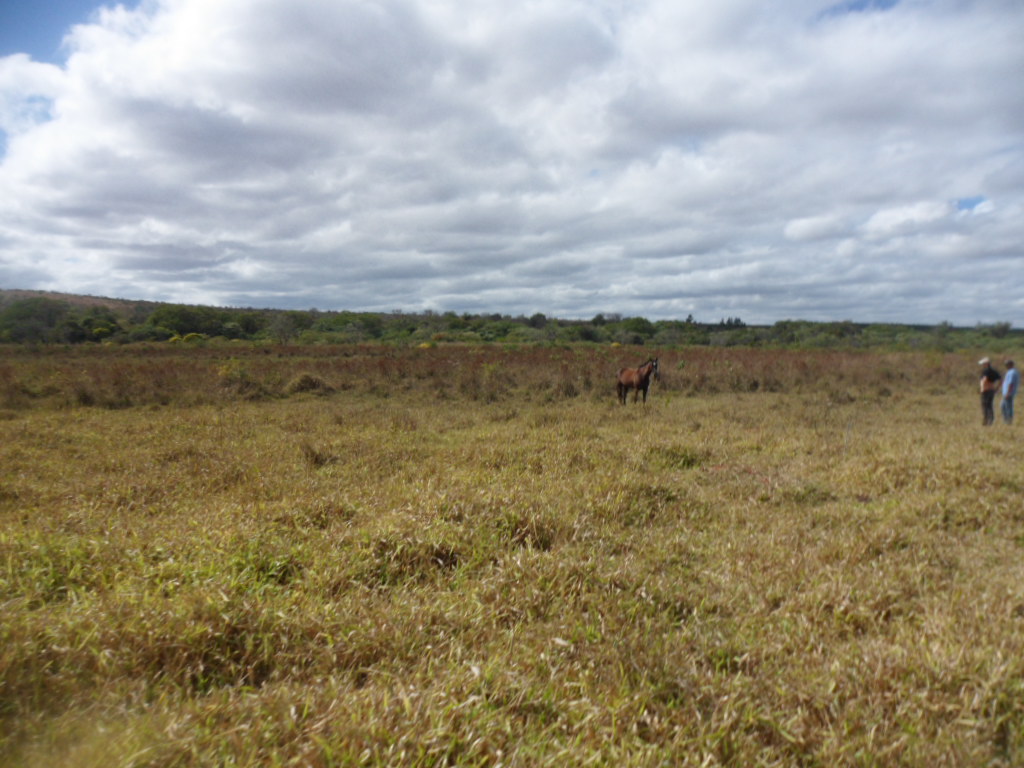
(307,382)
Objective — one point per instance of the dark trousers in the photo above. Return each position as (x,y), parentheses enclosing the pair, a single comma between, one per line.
(988,413)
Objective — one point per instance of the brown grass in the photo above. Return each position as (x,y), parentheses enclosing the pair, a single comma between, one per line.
(475,556)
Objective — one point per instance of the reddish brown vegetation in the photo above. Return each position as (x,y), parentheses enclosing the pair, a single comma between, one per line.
(145,375)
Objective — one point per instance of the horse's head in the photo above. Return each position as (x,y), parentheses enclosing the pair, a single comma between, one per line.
(654,368)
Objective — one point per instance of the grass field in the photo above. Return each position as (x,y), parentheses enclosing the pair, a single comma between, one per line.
(475,556)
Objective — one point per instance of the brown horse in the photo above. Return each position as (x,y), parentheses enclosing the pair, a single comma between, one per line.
(638,379)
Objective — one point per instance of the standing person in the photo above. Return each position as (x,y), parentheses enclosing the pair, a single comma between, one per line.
(1011,383)
(989,383)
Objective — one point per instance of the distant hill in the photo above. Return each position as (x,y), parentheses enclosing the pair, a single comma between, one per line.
(119,306)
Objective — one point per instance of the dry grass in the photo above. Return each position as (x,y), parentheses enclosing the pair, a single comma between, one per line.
(465,560)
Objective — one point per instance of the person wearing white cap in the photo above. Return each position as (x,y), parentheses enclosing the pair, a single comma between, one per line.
(1011,383)
(989,384)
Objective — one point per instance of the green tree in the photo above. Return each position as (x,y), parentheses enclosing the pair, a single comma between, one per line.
(586,332)
(72,332)
(35,319)
(303,320)
(282,328)
(185,319)
(639,326)
(249,322)
(1001,329)
(372,325)
(99,323)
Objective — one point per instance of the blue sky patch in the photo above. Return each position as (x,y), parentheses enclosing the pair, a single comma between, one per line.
(859,6)
(37,28)
(969,203)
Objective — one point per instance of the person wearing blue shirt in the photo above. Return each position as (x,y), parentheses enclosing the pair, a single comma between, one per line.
(1011,383)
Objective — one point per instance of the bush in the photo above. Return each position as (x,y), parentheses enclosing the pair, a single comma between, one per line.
(307,382)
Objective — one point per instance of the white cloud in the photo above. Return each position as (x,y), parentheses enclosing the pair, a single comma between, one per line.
(907,219)
(564,156)
(27,90)
(815,228)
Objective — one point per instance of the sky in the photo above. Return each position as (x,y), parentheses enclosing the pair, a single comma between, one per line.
(802,159)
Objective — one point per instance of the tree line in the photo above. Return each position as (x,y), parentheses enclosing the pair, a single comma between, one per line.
(45,320)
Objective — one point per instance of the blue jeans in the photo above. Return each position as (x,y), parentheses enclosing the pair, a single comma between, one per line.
(1007,407)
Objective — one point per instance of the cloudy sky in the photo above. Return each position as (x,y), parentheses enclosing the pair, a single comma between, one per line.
(812,159)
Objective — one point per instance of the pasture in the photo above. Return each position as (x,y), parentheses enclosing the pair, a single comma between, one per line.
(244,556)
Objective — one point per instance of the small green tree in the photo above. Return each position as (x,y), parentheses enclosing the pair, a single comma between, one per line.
(282,328)
(639,326)
(1001,329)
